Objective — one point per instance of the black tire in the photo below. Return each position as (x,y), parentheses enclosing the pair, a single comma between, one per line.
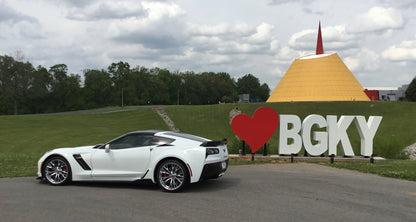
(172,176)
(57,171)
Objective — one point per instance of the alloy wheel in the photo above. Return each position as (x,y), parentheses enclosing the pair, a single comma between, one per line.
(57,171)
(172,176)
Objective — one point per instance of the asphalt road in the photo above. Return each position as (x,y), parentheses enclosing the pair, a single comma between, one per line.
(279,192)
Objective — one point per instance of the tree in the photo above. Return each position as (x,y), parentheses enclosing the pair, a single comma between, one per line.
(228,87)
(119,73)
(15,79)
(39,91)
(264,92)
(24,89)
(65,89)
(250,84)
(144,89)
(75,100)
(411,91)
(192,89)
(98,88)
(170,84)
(219,87)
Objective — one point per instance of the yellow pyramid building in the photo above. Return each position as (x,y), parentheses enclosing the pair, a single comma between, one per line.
(318,77)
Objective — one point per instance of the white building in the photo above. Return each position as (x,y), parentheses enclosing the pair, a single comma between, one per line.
(390,93)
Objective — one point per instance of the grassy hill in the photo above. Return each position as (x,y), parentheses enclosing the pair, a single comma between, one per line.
(23,139)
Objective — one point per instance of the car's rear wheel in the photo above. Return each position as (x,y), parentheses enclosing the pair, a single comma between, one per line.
(172,175)
(57,171)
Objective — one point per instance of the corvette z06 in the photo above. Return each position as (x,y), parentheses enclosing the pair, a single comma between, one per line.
(171,160)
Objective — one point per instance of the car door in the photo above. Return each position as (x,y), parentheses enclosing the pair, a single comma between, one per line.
(125,158)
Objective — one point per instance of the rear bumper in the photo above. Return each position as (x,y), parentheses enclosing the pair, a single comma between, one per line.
(214,170)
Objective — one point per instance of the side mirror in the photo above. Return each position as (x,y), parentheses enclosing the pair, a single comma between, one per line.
(107,148)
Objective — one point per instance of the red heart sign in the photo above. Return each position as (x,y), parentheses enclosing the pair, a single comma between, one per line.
(258,130)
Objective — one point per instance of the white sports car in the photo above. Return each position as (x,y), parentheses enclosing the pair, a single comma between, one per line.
(171,160)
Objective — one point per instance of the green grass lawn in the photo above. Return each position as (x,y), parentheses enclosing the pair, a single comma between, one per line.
(402,169)
(395,132)
(24,138)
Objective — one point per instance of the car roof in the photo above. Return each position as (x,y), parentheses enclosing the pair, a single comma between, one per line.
(184,136)
(145,132)
(169,134)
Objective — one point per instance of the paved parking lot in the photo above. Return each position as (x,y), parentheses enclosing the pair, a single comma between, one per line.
(278,192)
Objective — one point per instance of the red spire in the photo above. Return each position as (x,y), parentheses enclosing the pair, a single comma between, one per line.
(319,46)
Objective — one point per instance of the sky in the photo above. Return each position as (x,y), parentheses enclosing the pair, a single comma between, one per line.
(376,39)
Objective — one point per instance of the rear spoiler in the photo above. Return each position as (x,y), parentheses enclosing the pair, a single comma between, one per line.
(214,143)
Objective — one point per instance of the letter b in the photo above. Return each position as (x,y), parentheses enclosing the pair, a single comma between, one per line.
(292,133)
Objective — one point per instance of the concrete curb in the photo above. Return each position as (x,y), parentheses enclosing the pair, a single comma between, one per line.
(309,158)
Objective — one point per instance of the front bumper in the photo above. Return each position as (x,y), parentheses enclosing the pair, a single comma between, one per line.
(214,170)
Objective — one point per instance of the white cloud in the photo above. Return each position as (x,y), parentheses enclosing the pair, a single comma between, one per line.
(162,28)
(405,51)
(219,59)
(403,4)
(72,3)
(277,72)
(303,39)
(363,60)
(287,55)
(159,10)
(334,38)
(280,2)
(337,38)
(233,39)
(378,19)
(107,10)
(274,45)
(17,26)
(264,33)
(10,15)
(254,37)
(221,30)
(206,30)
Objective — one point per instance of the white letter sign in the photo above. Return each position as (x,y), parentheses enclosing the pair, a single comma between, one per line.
(367,132)
(337,132)
(286,133)
(321,137)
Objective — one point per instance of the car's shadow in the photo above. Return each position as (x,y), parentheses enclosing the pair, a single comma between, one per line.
(143,185)
(212,185)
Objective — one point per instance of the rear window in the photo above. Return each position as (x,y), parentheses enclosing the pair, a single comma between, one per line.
(186,136)
(159,141)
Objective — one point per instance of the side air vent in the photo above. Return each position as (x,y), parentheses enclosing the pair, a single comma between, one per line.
(81,162)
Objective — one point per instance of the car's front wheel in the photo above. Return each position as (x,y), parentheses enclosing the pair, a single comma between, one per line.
(57,171)
(172,176)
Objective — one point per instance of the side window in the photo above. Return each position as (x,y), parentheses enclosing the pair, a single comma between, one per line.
(122,143)
(131,141)
(158,141)
(137,140)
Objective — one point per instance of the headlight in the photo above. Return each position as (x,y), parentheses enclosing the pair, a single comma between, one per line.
(212,151)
